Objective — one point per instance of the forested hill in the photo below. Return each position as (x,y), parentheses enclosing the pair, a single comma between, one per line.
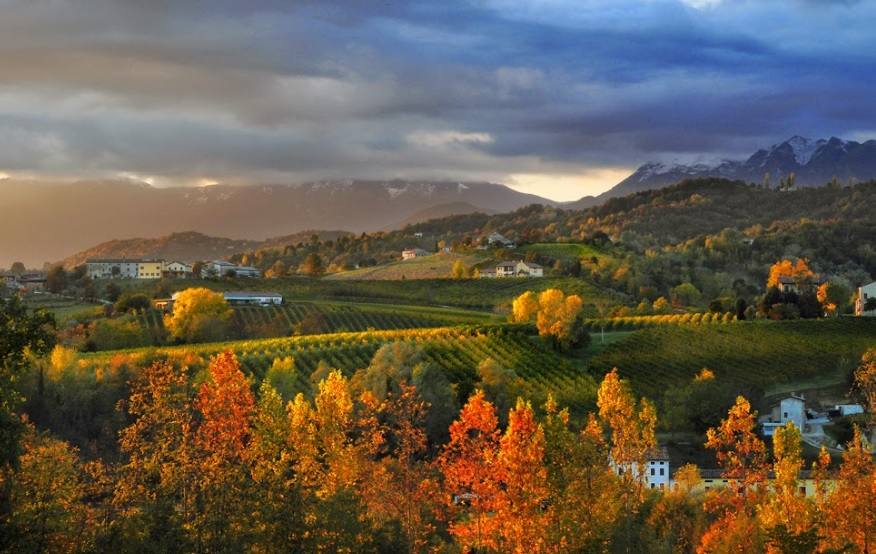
(719,235)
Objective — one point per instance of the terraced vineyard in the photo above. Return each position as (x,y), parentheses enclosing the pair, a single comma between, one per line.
(761,353)
(342,317)
(458,350)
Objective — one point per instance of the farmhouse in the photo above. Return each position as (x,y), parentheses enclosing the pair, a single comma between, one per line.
(498,241)
(865,302)
(793,409)
(25,282)
(180,270)
(797,286)
(221,268)
(412,253)
(657,474)
(513,269)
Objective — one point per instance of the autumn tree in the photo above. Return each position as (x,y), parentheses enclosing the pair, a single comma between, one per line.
(312,265)
(850,509)
(522,504)
(21,332)
(833,297)
(676,520)
(525,307)
(401,486)
(742,456)
(47,498)
(789,520)
(277,511)
(865,382)
(468,465)
(798,271)
(158,483)
(199,314)
(631,425)
(556,315)
(225,404)
(584,492)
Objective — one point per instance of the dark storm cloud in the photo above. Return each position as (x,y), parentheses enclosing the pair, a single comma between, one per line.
(247,91)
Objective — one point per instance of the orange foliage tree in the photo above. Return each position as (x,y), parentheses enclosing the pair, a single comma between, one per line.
(850,509)
(743,458)
(523,499)
(226,406)
(468,465)
(798,271)
(788,518)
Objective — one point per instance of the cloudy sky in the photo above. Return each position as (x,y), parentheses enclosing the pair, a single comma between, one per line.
(560,98)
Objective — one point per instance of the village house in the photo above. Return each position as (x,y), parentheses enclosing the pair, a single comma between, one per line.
(797,286)
(177,270)
(28,281)
(714,479)
(866,298)
(496,240)
(657,471)
(793,410)
(512,269)
(221,268)
(412,253)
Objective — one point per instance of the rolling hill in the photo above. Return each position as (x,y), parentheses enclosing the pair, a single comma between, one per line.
(39,217)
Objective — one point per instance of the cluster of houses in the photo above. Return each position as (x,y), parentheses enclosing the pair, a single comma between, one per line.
(513,269)
(131,268)
(791,409)
(22,283)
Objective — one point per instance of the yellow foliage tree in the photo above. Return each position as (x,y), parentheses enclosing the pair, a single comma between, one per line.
(525,307)
(557,314)
(198,314)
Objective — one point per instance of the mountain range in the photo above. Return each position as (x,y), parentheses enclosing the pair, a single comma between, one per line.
(813,162)
(46,222)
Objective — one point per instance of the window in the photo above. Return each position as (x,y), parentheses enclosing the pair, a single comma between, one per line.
(653,473)
(662,471)
(652,485)
(803,490)
(786,415)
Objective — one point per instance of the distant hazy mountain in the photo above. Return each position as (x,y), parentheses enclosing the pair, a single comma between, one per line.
(814,162)
(441,211)
(43,222)
(188,246)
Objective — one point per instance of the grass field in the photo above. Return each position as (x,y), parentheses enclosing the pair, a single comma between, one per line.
(436,266)
(458,350)
(64,309)
(764,354)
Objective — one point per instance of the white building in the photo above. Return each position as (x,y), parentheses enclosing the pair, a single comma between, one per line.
(657,472)
(412,253)
(113,268)
(237,298)
(221,268)
(791,409)
(176,269)
(865,293)
(513,269)
(529,269)
(849,409)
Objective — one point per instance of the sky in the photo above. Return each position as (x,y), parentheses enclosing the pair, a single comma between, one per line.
(553,97)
